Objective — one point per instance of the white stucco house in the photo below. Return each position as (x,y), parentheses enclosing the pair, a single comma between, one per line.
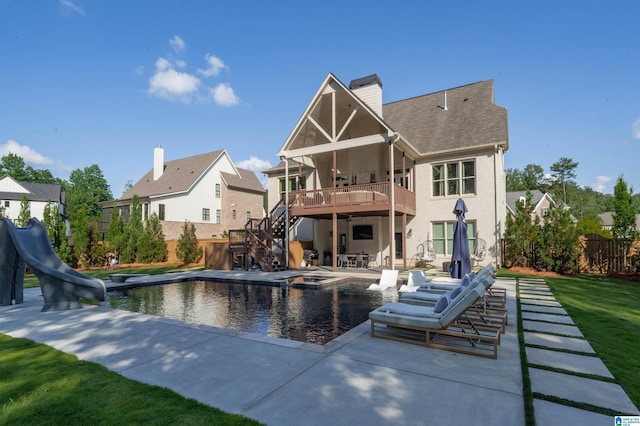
(38,194)
(362,176)
(207,190)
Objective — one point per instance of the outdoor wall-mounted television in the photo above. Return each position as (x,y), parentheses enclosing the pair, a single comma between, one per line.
(362,232)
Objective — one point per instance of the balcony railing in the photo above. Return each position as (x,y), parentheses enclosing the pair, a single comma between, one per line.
(370,194)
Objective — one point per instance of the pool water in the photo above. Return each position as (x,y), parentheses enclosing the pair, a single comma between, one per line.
(306,315)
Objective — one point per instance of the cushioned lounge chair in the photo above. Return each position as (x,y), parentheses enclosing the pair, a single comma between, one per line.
(388,280)
(444,325)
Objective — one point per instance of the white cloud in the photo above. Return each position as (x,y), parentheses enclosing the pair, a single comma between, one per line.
(171,84)
(223,95)
(635,129)
(26,153)
(215,66)
(600,183)
(254,164)
(257,165)
(68,8)
(177,44)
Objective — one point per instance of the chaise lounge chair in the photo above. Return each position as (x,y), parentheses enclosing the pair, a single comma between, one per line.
(446,325)
(388,279)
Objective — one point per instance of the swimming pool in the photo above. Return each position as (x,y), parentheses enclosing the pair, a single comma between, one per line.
(302,314)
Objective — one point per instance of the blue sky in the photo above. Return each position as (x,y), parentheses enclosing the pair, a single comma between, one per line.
(102,82)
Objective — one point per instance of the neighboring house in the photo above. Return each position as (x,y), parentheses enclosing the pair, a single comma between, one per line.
(542,202)
(38,194)
(207,190)
(607,220)
(347,148)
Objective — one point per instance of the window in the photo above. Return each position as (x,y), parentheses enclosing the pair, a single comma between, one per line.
(6,204)
(295,183)
(233,214)
(544,212)
(248,215)
(206,215)
(217,190)
(454,178)
(161,211)
(443,236)
(218,216)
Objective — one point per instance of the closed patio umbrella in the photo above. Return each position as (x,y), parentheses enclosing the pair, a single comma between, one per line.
(460,256)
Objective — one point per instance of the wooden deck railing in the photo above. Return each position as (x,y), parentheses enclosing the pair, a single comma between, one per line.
(353,195)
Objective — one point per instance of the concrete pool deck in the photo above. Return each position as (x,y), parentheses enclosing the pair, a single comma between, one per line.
(353,379)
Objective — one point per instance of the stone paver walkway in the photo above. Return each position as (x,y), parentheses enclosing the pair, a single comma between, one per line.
(563,366)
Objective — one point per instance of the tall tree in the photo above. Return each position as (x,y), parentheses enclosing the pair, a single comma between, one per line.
(522,235)
(14,166)
(514,180)
(132,232)
(152,246)
(563,172)
(624,211)
(533,177)
(25,212)
(87,188)
(560,248)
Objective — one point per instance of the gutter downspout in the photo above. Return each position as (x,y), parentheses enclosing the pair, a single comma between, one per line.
(286,212)
(495,197)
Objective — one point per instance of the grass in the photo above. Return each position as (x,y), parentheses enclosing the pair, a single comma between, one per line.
(42,386)
(606,311)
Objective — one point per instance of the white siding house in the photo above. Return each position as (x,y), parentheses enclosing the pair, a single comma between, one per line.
(207,190)
(38,194)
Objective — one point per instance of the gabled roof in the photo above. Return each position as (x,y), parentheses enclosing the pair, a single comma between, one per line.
(36,191)
(356,123)
(246,180)
(449,120)
(607,220)
(178,176)
(514,197)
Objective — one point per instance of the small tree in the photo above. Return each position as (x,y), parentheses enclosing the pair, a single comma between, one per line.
(521,235)
(115,233)
(25,212)
(187,249)
(560,249)
(132,232)
(151,245)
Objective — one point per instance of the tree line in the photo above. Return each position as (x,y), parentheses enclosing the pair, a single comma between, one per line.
(552,243)
(134,240)
(585,203)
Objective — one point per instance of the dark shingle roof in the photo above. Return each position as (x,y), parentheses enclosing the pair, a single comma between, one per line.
(179,175)
(247,181)
(514,196)
(470,120)
(37,192)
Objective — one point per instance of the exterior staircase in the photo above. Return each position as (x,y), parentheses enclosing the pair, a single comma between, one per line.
(262,240)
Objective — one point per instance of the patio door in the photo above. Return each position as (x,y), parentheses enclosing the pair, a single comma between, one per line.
(398,239)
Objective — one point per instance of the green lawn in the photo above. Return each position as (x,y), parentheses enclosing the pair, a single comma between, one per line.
(43,386)
(607,311)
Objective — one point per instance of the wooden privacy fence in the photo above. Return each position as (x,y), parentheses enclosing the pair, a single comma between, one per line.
(603,255)
(598,255)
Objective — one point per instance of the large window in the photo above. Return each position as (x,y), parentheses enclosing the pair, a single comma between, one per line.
(443,236)
(206,215)
(455,178)
(161,211)
(295,183)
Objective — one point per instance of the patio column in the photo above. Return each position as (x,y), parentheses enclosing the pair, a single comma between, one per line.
(286,212)
(392,212)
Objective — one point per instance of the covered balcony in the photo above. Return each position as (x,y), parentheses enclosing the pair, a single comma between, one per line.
(370,199)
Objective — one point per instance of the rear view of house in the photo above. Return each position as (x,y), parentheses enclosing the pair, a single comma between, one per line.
(360,176)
